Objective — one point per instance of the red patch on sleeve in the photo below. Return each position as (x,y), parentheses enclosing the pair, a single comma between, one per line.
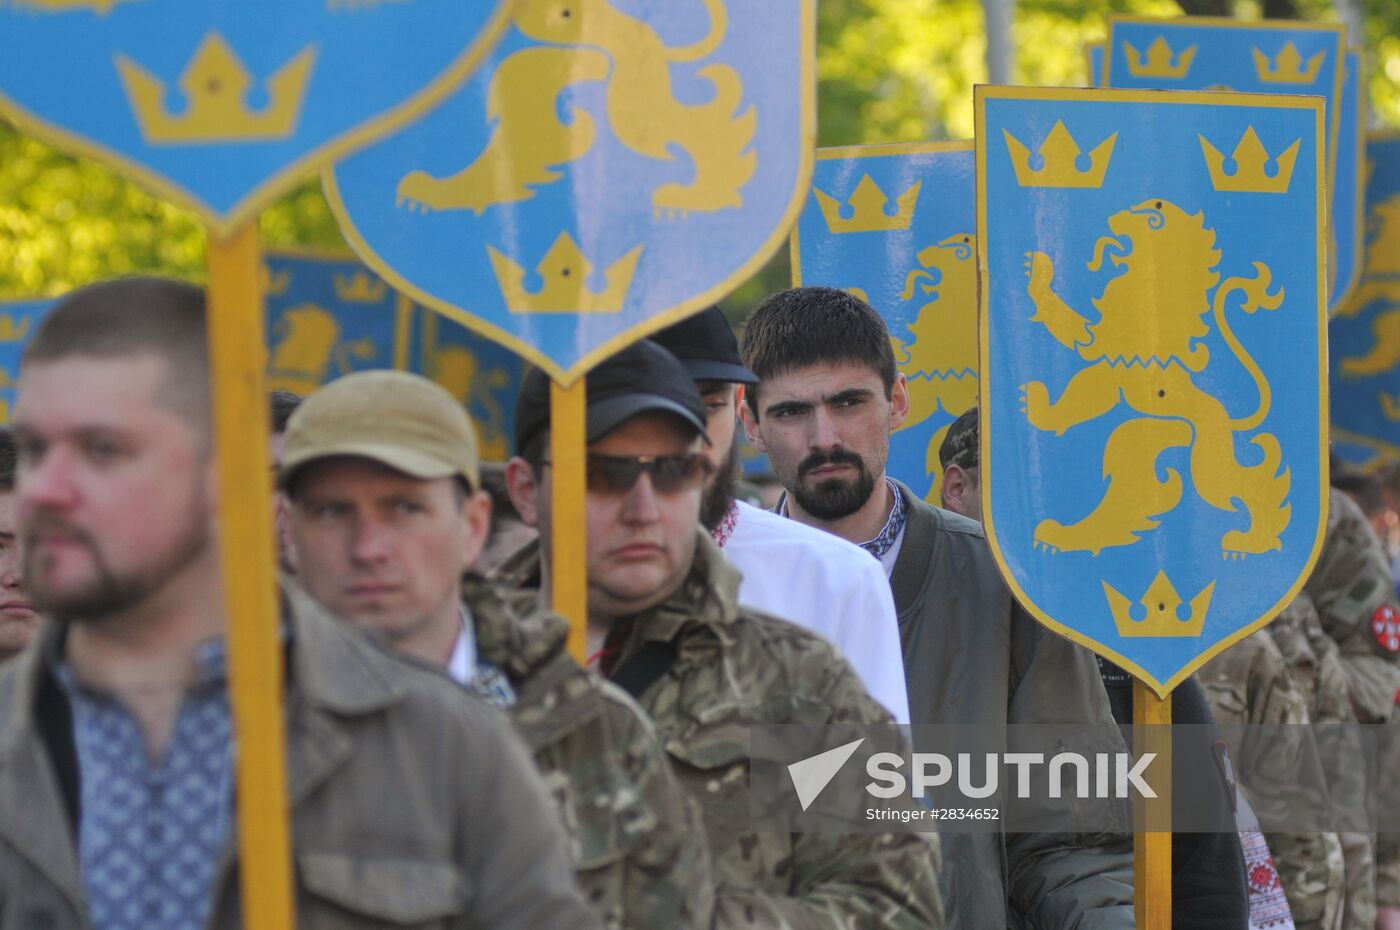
(1385,626)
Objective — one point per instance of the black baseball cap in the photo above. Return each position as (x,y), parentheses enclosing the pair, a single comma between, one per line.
(706,346)
(642,378)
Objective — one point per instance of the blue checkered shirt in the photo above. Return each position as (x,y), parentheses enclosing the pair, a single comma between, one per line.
(150,834)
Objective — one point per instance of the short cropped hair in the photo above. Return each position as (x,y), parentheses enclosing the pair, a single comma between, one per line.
(8,459)
(282,404)
(133,316)
(814,326)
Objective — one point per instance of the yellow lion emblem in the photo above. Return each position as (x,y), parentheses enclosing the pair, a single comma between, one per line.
(941,363)
(1149,364)
(307,345)
(590,40)
(1382,283)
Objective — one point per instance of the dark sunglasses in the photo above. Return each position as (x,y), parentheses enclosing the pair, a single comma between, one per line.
(670,474)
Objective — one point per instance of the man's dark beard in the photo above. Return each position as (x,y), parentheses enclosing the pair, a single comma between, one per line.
(107,594)
(720,495)
(834,498)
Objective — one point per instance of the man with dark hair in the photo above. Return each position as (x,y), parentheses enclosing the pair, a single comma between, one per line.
(382,469)
(508,531)
(665,623)
(409,802)
(789,570)
(18,619)
(959,455)
(828,398)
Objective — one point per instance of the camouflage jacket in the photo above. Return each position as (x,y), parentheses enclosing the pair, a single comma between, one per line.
(736,668)
(1249,683)
(634,833)
(1354,593)
(1315,663)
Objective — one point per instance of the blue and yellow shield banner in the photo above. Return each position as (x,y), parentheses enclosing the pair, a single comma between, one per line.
(1349,187)
(603,175)
(222,106)
(1365,334)
(327,315)
(1207,53)
(896,225)
(1153,362)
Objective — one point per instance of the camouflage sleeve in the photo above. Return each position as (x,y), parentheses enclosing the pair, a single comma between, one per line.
(666,880)
(1352,588)
(865,881)
(1387,846)
(1065,880)
(1249,683)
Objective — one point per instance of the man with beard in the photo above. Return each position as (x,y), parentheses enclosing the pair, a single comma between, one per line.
(828,398)
(663,607)
(791,571)
(18,620)
(410,803)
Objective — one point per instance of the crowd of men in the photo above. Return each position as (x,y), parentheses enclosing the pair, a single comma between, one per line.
(450,764)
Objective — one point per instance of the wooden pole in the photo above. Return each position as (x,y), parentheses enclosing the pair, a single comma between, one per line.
(237,358)
(1152,837)
(568,449)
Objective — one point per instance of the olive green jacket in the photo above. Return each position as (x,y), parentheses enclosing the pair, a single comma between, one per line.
(412,804)
(635,835)
(972,656)
(735,669)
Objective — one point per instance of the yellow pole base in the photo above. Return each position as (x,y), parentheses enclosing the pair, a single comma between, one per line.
(237,357)
(568,449)
(1152,838)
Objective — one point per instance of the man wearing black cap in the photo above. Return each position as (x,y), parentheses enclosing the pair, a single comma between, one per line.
(665,624)
(814,579)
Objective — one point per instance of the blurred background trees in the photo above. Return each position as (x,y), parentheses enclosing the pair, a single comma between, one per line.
(889,71)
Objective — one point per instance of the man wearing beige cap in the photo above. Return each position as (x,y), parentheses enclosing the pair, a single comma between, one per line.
(409,804)
(386,517)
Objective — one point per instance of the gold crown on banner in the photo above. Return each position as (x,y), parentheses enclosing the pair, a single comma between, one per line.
(1162,603)
(216,84)
(868,203)
(565,271)
(359,288)
(1059,154)
(1158,60)
(275,285)
(11,331)
(1250,158)
(1288,68)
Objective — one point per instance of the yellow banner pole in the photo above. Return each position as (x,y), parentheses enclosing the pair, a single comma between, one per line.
(1152,837)
(237,357)
(568,448)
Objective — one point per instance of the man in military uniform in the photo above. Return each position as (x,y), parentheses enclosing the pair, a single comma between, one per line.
(828,398)
(1249,683)
(1315,663)
(664,620)
(381,469)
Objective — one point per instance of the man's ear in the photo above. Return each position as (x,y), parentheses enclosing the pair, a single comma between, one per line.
(524,488)
(899,402)
(746,416)
(955,489)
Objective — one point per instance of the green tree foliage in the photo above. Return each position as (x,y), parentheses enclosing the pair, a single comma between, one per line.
(888,71)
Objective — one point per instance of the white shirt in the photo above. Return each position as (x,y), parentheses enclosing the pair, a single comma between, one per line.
(827,585)
(461,667)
